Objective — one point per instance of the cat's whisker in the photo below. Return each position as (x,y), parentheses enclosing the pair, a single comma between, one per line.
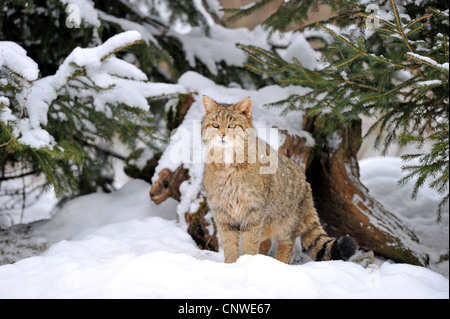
(208,144)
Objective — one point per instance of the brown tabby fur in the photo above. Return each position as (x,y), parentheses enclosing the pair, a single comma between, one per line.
(259,207)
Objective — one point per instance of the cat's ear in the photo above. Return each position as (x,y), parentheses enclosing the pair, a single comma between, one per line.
(245,107)
(209,104)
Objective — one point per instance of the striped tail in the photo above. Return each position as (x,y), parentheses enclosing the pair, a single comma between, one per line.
(322,247)
(316,241)
(336,249)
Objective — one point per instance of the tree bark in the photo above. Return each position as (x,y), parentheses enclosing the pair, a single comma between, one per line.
(345,206)
(168,185)
(202,229)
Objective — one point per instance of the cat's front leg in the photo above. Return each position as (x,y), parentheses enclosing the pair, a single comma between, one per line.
(251,239)
(230,241)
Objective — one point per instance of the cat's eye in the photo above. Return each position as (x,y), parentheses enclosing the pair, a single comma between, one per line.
(215,125)
(232,125)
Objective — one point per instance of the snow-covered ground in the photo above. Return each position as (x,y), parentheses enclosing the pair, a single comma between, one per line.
(121,245)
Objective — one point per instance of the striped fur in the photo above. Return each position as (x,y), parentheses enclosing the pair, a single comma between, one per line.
(259,207)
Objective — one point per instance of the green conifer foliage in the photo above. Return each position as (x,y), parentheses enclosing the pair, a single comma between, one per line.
(381,59)
(79,128)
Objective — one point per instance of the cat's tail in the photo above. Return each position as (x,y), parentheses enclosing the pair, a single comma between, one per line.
(322,247)
(337,249)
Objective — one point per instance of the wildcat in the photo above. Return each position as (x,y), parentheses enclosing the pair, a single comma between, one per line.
(259,207)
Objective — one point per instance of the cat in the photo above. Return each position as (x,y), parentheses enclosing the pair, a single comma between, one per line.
(255,206)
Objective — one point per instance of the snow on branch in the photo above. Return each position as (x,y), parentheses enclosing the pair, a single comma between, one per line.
(219,45)
(92,76)
(429,61)
(128,25)
(22,71)
(14,58)
(84,10)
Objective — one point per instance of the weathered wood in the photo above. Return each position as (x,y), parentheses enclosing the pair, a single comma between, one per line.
(202,229)
(346,207)
(175,116)
(146,173)
(168,185)
(295,148)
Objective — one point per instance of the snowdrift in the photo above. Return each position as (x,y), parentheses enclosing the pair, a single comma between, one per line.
(121,245)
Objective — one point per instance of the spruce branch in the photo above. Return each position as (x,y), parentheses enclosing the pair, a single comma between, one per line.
(358,50)
(385,75)
(239,13)
(399,24)
(428,61)
(418,20)
(12,138)
(120,49)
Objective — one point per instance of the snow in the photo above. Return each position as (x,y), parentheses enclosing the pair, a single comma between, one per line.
(4,101)
(39,204)
(306,55)
(216,7)
(122,83)
(5,111)
(429,83)
(429,61)
(380,175)
(122,245)
(33,136)
(334,141)
(36,101)
(85,11)
(219,45)
(128,25)
(14,57)
(135,249)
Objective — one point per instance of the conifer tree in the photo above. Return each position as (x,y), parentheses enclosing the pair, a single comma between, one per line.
(88,105)
(381,59)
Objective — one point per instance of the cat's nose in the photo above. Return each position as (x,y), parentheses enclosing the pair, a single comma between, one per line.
(221,134)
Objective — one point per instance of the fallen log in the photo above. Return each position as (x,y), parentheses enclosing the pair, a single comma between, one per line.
(345,206)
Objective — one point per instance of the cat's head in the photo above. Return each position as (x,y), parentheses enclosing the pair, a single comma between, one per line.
(226,124)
